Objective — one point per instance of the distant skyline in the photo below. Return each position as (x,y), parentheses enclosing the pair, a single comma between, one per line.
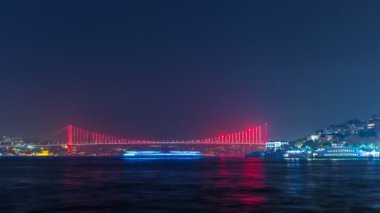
(187,69)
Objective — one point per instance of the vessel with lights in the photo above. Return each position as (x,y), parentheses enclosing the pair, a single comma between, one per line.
(162,155)
(342,152)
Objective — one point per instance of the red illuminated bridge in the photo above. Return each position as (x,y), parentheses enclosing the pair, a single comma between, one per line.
(75,136)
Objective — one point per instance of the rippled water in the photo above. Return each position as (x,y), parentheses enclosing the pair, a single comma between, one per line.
(217,185)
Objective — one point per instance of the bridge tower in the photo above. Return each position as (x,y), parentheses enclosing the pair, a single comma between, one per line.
(69,139)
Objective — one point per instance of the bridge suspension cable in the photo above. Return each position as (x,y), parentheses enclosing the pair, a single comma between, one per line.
(75,136)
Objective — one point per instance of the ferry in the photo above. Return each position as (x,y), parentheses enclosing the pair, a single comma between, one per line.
(162,155)
(340,152)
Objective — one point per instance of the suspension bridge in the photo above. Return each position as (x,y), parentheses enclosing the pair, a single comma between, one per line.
(71,135)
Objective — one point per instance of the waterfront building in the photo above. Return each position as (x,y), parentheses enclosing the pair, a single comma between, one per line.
(276,145)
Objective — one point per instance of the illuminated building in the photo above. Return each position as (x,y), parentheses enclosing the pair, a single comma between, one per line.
(43,153)
(275,145)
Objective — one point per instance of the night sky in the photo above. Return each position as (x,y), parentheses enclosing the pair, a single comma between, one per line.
(187,69)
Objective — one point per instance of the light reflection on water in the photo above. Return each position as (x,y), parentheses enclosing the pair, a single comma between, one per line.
(219,184)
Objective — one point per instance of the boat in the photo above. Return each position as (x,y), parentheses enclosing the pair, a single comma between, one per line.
(340,152)
(162,155)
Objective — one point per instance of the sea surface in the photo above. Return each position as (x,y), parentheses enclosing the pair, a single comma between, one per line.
(205,185)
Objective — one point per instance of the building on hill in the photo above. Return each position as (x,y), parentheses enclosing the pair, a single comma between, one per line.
(354,131)
(375,117)
(374,125)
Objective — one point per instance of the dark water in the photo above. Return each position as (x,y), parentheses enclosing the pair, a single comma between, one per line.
(208,185)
